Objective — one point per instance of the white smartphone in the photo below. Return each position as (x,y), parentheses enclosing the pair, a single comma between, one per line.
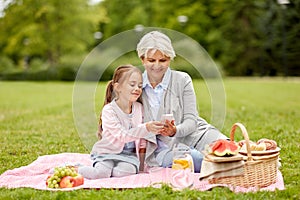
(165,117)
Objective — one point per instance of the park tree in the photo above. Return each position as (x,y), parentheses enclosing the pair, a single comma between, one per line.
(259,37)
(48,29)
(243,37)
(239,33)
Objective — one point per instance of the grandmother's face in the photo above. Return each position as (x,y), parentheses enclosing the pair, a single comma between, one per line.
(156,64)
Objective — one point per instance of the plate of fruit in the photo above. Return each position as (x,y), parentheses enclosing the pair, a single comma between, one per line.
(64,177)
(261,147)
(223,150)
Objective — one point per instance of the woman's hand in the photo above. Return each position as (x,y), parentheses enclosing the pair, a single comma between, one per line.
(169,129)
(154,126)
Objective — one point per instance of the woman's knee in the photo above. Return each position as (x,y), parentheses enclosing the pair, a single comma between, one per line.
(168,159)
(197,160)
(209,137)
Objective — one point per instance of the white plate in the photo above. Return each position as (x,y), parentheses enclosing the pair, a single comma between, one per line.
(261,152)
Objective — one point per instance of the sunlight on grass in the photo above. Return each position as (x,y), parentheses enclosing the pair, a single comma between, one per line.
(36,118)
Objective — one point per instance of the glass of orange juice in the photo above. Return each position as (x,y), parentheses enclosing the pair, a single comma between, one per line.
(182,167)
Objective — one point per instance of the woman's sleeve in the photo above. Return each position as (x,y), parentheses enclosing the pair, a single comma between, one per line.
(190,113)
(113,129)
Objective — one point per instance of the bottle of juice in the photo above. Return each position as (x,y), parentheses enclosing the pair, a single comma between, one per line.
(182,168)
(182,158)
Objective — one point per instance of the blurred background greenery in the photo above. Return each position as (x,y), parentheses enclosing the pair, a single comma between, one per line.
(49,39)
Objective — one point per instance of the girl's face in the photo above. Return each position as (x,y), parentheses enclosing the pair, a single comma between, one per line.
(156,65)
(131,89)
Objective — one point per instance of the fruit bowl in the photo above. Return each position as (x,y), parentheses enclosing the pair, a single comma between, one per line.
(244,151)
(64,177)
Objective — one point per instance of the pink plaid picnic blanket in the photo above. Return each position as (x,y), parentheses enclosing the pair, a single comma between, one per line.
(34,176)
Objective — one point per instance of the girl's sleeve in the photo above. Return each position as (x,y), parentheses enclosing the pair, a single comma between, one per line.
(113,129)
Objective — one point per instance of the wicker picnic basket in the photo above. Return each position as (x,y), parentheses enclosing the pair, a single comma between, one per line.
(257,173)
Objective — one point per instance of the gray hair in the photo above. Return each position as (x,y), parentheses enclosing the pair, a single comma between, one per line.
(155,41)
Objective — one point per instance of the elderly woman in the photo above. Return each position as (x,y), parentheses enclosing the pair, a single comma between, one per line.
(167,91)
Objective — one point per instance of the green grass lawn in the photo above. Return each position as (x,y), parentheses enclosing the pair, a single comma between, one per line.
(36,119)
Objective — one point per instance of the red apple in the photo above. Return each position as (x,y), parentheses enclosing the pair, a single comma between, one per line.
(66,182)
(78,180)
(69,181)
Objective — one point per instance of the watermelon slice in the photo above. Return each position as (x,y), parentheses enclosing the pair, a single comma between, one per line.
(224,147)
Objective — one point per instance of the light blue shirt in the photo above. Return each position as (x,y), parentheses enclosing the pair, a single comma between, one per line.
(155,95)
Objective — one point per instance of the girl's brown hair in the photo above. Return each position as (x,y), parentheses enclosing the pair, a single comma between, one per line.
(121,74)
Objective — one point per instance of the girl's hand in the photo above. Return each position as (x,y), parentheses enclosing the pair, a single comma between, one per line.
(154,126)
(169,129)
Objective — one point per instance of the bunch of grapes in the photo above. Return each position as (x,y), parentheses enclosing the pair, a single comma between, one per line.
(60,172)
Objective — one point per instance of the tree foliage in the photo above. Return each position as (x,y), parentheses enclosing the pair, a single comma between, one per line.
(48,29)
(244,37)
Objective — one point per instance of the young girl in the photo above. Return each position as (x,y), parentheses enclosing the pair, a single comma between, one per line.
(116,153)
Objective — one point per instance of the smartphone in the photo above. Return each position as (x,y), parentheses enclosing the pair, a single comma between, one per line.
(165,117)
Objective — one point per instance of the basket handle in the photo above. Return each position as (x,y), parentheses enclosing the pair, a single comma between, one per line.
(246,137)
